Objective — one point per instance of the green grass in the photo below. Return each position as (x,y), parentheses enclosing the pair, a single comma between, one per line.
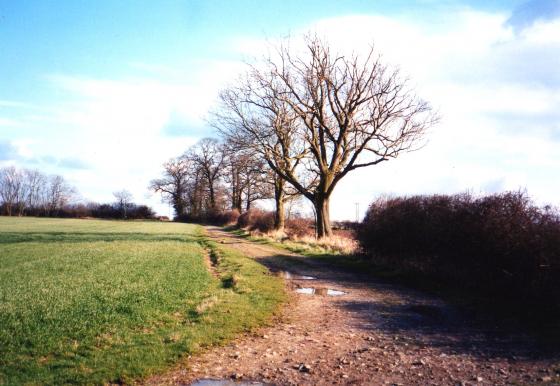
(91,301)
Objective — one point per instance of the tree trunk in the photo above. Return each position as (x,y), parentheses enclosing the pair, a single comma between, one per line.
(279,215)
(212,197)
(322,217)
(236,193)
(248,203)
(178,205)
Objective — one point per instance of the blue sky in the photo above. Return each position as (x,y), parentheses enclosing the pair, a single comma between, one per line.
(104,92)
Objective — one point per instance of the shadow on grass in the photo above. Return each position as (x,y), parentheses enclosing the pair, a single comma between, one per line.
(80,237)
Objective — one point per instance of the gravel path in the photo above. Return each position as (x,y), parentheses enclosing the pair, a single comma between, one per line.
(375,334)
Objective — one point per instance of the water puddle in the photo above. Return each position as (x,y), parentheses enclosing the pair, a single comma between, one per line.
(306,291)
(224,382)
(320,291)
(289,276)
(331,292)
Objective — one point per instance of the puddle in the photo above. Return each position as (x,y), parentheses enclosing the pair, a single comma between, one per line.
(289,276)
(320,291)
(306,291)
(224,382)
(332,292)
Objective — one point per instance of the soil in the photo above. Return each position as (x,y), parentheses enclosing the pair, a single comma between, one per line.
(375,334)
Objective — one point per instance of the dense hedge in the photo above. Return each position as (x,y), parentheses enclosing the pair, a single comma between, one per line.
(105,211)
(502,246)
(256,219)
(263,221)
(214,217)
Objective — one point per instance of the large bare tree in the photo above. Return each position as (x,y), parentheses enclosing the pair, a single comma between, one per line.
(174,183)
(209,155)
(317,115)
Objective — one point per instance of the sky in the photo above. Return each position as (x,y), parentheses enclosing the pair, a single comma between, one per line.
(104,92)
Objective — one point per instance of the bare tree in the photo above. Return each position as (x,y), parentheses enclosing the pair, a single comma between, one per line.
(123,200)
(36,183)
(233,178)
(265,126)
(57,194)
(173,185)
(24,191)
(209,156)
(316,116)
(11,181)
(247,176)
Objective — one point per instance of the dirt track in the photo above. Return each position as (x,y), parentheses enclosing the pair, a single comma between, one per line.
(376,334)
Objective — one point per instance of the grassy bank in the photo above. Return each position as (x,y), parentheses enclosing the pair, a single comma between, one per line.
(89,301)
(307,246)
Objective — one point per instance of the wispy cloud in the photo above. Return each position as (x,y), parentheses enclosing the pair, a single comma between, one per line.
(5,103)
(179,126)
(8,122)
(7,151)
(64,162)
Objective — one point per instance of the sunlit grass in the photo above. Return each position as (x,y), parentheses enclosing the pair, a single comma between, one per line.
(305,245)
(87,301)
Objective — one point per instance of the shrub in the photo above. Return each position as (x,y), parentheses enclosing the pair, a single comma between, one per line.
(300,227)
(263,221)
(256,220)
(502,246)
(244,220)
(223,218)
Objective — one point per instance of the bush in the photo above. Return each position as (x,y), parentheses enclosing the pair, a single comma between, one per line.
(224,218)
(263,221)
(245,220)
(300,227)
(256,219)
(501,246)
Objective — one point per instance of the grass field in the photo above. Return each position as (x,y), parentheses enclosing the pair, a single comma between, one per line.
(91,301)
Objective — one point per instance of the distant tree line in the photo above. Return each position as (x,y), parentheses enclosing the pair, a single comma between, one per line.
(297,122)
(211,178)
(29,192)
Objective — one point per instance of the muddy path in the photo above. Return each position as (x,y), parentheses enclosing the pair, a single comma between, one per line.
(373,334)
